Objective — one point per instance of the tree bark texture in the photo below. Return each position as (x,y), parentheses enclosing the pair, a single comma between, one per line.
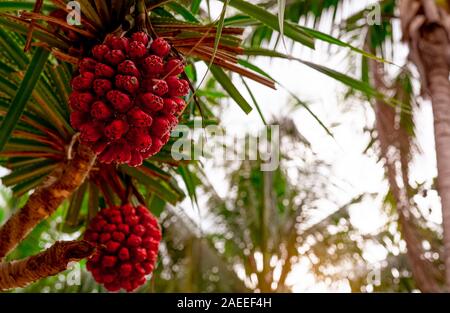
(47,263)
(426,28)
(46,199)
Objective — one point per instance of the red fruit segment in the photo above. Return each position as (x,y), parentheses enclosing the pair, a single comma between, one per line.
(80,101)
(139,139)
(116,129)
(141,37)
(136,158)
(177,87)
(170,106)
(126,269)
(109,261)
(114,57)
(137,49)
(124,152)
(118,236)
(87,65)
(174,67)
(127,83)
(112,246)
(139,118)
(83,81)
(99,51)
(124,254)
(160,126)
(117,43)
(102,86)
(100,111)
(153,64)
(120,101)
(103,70)
(152,102)
(181,105)
(128,67)
(159,87)
(160,47)
(77,119)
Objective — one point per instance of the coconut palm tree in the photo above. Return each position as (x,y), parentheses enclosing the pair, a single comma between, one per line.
(426,29)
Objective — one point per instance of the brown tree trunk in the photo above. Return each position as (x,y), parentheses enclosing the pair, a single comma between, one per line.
(426,28)
(46,199)
(439,86)
(391,138)
(50,262)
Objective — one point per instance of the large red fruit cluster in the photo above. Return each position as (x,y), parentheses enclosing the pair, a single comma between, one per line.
(127,240)
(127,98)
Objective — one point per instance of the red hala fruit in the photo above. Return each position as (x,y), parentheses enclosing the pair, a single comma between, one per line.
(181,105)
(119,91)
(128,67)
(137,50)
(114,57)
(139,139)
(120,101)
(177,87)
(151,102)
(80,101)
(123,154)
(103,70)
(99,51)
(102,86)
(136,158)
(170,106)
(117,43)
(159,87)
(160,47)
(87,65)
(161,126)
(77,119)
(139,118)
(153,64)
(127,83)
(116,129)
(101,111)
(83,81)
(123,259)
(156,146)
(174,67)
(141,37)
(91,132)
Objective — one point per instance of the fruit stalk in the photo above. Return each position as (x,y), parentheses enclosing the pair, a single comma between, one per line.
(47,263)
(45,200)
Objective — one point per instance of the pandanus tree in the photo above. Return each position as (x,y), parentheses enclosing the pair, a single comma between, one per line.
(87,111)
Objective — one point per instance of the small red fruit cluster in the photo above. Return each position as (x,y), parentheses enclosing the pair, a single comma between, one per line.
(127,98)
(127,241)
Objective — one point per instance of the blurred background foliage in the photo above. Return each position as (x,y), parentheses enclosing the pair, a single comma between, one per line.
(268,226)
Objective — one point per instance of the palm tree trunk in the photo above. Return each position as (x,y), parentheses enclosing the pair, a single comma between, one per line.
(425,28)
(439,86)
(389,136)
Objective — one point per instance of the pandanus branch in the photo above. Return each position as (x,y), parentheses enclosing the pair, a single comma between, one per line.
(46,199)
(47,263)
